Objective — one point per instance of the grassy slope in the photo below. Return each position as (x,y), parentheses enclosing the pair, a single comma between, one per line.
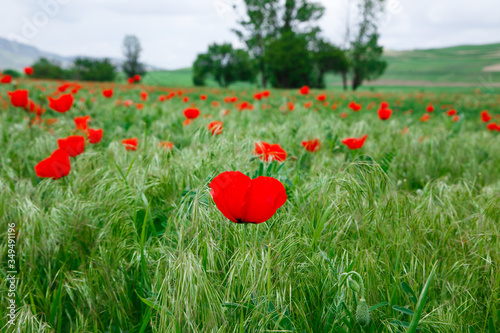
(454,64)
(79,248)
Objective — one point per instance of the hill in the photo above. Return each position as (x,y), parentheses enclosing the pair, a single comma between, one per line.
(14,55)
(468,63)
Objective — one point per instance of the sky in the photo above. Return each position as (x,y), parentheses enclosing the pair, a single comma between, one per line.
(173,32)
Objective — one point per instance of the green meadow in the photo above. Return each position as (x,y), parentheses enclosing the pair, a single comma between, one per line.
(131,241)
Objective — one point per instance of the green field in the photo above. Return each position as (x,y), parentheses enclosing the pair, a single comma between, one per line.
(453,64)
(131,241)
(446,65)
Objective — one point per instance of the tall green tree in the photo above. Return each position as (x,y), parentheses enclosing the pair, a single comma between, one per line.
(132,50)
(328,58)
(258,27)
(366,54)
(289,61)
(264,21)
(224,64)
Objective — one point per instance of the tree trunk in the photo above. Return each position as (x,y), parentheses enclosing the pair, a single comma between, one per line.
(356,81)
(344,79)
(263,72)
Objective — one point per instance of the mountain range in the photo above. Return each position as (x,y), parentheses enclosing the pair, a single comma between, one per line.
(14,55)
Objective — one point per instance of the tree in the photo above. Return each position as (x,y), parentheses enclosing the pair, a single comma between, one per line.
(289,61)
(88,69)
(11,72)
(328,58)
(258,27)
(224,64)
(46,69)
(132,50)
(266,20)
(367,63)
(366,54)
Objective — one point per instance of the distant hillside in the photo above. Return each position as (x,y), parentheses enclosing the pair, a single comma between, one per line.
(17,56)
(469,63)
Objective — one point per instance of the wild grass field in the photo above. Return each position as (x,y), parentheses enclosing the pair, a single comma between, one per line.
(131,241)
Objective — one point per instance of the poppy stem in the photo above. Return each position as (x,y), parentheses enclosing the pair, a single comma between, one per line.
(244,240)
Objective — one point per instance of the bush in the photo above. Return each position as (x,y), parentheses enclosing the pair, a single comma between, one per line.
(87,69)
(11,72)
(46,69)
(225,64)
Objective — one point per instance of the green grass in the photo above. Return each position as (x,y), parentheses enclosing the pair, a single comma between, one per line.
(132,241)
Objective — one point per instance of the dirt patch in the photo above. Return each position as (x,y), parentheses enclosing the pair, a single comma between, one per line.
(416,83)
(492,68)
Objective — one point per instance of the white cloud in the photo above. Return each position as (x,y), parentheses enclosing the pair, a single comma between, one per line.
(172,32)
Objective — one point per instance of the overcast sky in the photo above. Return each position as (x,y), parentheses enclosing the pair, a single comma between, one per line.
(173,32)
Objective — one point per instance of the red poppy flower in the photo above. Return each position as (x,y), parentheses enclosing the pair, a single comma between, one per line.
(355,106)
(312,145)
(130,144)
(215,127)
(137,78)
(321,97)
(229,99)
(343,115)
(144,95)
(130,80)
(355,143)
(162,98)
(266,93)
(63,87)
(6,79)
(304,90)
(269,152)
(28,71)
(290,106)
(166,144)
(19,98)
(258,96)
(384,113)
(485,116)
(94,135)
(139,106)
(107,93)
(128,103)
(384,105)
(308,105)
(429,108)
(493,127)
(61,104)
(191,113)
(425,118)
(451,112)
(245,200)
(74,145)
(455,119)
(203,97)
(55,167)
(82,122)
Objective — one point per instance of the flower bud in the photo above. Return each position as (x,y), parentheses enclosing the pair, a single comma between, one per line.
(362,313)
(353,285)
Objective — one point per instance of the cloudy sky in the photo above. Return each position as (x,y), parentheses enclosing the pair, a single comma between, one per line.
(173,32)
